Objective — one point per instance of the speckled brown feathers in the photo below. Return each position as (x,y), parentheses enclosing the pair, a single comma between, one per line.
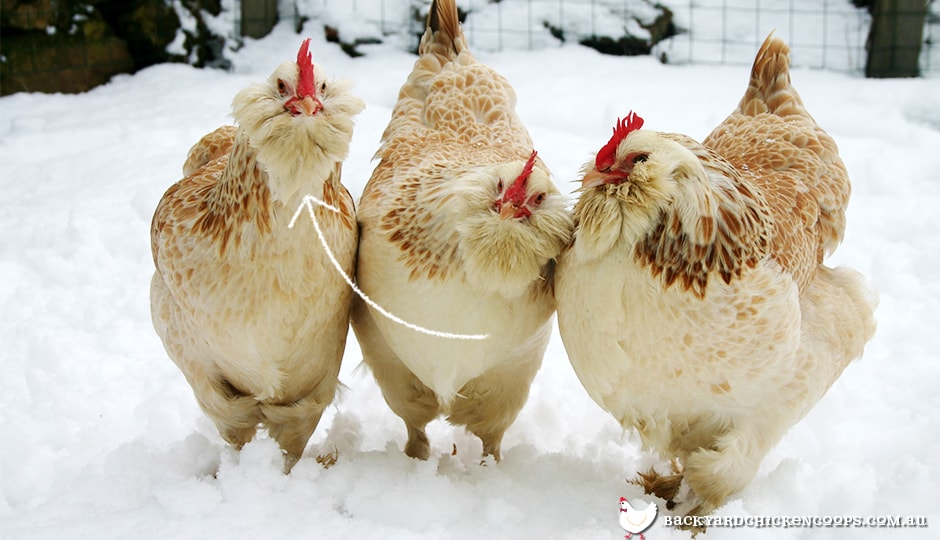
(729,232)
(221,209)
(428,253)
(447,245)
(780,148)
(694,303)
(452,111)
(251,311)
(212,146)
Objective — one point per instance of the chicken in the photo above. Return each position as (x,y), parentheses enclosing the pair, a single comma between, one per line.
(636,521)
(694,303)
(252,313)
(210,147)
(460,224)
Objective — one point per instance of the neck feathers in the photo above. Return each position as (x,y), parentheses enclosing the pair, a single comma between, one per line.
(241,197)
(719,227)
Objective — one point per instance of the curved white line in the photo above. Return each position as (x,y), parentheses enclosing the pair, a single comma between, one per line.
(308,199)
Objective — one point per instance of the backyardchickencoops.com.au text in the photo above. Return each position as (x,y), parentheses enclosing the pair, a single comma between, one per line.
(787,522)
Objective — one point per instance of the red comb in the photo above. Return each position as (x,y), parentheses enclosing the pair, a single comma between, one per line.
(527,170)
(305,81)
(605,156)
(516,191)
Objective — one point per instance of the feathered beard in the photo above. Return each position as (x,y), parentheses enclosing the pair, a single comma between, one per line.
(508,255)
(294,149)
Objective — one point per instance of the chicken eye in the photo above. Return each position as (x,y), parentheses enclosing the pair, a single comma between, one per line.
(282,87)
(323,87)
(499,185)
(539,198)
(639,158)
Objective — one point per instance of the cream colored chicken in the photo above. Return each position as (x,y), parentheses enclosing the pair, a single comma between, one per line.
(694,303)
(252,312)
(460,225)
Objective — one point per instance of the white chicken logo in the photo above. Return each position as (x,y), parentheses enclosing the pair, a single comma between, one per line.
(636,521)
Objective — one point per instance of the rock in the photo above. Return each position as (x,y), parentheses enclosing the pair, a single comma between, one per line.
(203,47)
(349,46)
(40,62)
(660,28)
(147,26)
(73,45)
(33,15)
(58,46)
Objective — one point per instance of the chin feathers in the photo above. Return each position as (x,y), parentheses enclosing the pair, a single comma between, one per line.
(507,255)
(295,150)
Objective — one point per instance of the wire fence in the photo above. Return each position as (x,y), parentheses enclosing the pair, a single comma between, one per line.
(823,34)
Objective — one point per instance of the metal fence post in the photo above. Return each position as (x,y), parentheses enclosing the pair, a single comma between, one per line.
(258,17)
(895,38)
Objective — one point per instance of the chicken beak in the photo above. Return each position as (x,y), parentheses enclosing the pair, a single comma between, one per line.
(310,105)
(507,210)
(595,178)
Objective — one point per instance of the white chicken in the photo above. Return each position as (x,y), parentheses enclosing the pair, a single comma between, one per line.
(460,225)
(636,521)
(252,313)
(693,302)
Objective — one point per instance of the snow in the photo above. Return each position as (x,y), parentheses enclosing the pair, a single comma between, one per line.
(103,439)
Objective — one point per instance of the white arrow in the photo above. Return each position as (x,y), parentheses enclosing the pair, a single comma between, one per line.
(309,201)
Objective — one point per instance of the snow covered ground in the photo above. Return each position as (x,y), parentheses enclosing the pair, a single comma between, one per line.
(103,439)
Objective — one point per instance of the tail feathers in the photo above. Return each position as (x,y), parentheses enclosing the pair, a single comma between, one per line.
(769,90)
(443,34)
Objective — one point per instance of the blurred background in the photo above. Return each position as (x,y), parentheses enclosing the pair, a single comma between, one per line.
(73,45)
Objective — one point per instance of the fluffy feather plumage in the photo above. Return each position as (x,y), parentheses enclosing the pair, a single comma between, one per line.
(694,304)
(253,314)
(460,225)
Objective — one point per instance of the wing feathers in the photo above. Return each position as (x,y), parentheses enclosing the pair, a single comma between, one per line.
(210,147)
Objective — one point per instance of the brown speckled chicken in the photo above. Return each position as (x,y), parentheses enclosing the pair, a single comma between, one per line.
(694,303)
(252,312)
(460,225)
